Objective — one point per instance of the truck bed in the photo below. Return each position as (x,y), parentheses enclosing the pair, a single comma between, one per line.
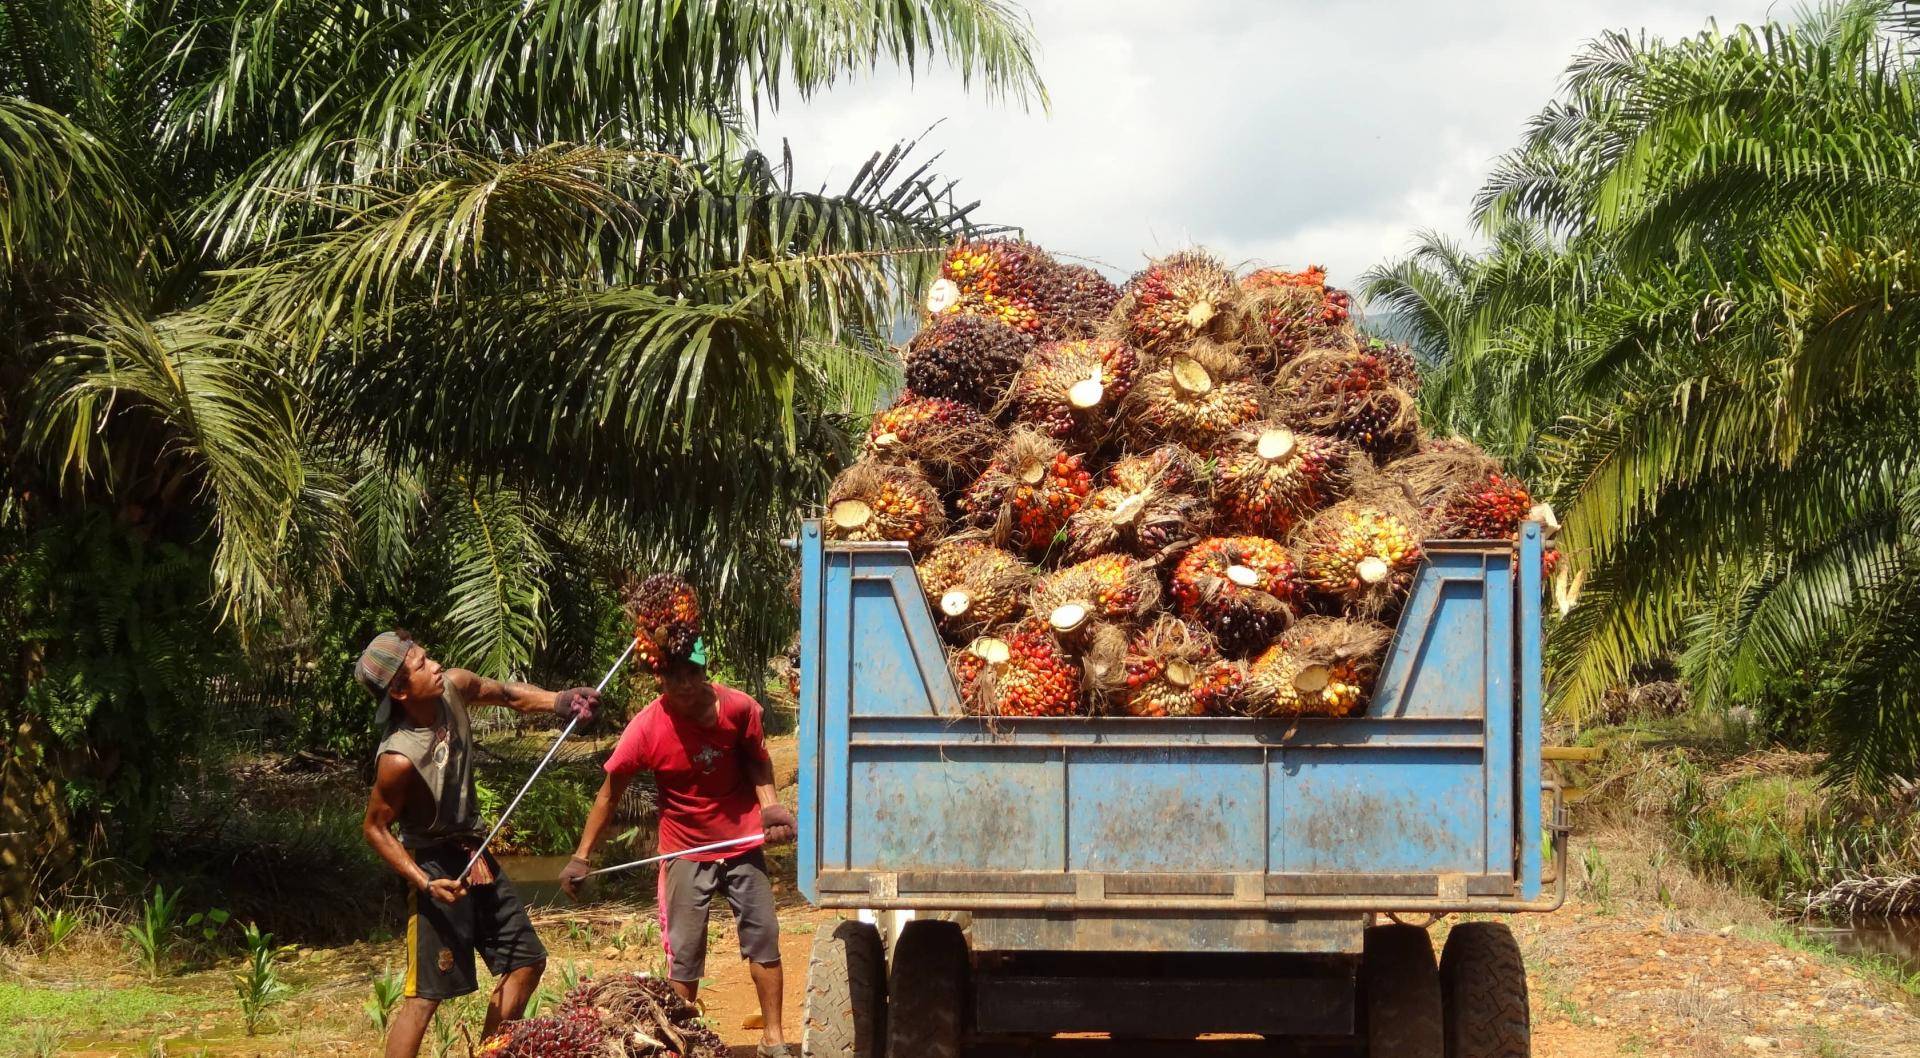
(1431,801)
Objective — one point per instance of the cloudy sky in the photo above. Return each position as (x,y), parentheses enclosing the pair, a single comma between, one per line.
(1277,131)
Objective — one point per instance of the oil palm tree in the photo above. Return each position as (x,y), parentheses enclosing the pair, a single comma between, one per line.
(1708,354)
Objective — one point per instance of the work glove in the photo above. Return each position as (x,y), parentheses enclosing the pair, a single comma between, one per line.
(573,876)
(576,701)
(778,823)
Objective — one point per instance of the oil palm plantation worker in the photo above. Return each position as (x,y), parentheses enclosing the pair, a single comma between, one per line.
(705,746)
(423,782)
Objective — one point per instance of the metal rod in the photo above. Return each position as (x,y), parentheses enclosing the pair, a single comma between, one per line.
(544,761)
(715,847)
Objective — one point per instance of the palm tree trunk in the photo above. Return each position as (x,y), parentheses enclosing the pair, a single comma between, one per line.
(35,834)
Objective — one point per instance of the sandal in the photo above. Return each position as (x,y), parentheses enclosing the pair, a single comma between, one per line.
(767,1050)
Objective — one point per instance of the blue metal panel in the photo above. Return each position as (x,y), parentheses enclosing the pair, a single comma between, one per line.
(1529,662)
(1364,811)
(981,808)
(1166,810)
(1437,666)
(1498,593)
(835,592)
(806,853)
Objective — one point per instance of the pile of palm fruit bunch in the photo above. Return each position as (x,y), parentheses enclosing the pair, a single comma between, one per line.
(1195,494)
(621,1015)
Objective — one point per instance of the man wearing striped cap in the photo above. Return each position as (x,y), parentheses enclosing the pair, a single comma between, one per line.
(423,787)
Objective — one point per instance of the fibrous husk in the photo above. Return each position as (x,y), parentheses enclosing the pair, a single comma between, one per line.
(968,359)
(1177,299)
(620,1015)
(1103,588)
(1491,508)
(1194,396)
(1073,388)
(1146,516)
(1242,589)
(1350,393)
(974,586)
(1028,491)
(1362,552)
(1040,678)
(1439,466)
(876,501)
(665,613)
(947,441)
(1005,280)
(1322,666)
(1268,477)
(1164,666)
(976,672)
(1296,311)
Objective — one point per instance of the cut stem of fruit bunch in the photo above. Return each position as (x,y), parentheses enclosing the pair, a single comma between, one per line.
(1269,477)
(1070,389)
(1361,553)
(1028,492)
(1197,396)
(977,587)
(1322,666)
(1165,664)
(1244,590)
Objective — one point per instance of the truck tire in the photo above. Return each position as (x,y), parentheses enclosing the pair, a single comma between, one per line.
(846,1015)
(1400,994)
(1483,987)
(928,991)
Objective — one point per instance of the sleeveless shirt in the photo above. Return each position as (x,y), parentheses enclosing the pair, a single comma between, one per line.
(445,766)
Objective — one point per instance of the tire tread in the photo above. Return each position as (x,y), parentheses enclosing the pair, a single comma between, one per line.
(1483,979)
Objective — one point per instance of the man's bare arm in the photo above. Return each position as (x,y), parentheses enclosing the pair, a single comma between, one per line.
(391,776)
(519,697)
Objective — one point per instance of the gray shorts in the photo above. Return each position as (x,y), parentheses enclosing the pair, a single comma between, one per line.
(686,891)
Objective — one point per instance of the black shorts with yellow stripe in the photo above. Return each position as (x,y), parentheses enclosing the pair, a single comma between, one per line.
(443,938)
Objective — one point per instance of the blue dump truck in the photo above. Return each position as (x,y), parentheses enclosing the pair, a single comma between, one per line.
(1166,878)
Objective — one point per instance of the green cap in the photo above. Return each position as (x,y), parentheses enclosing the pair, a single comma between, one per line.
(698,655)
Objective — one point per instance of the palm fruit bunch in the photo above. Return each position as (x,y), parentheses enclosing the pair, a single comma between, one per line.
(666,620)
(974,586)
(1221,689)
(643,1016)
(1075,301)
(1437,468)
(1103,588)
(1040,678)
(1243,589)
(1398,358)
(1164,667)
(1194,397)
(968,359)
(1028,491)
(1177,299)
(1140,510)
(976,671)
(1361,552)
(1071,388)
(945,440)
(1489,509)
(999,279)
(1267,477)
(876,501)
(563,1035)
(1297,309)
(1322,666)
(1350,393)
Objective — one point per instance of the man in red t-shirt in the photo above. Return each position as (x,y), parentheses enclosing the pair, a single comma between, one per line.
(704,744)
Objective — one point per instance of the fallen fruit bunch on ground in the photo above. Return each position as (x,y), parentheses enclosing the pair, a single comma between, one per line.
(1195,494)
(622,1015)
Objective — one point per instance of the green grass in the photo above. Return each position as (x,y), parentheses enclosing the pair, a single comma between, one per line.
(83,1011)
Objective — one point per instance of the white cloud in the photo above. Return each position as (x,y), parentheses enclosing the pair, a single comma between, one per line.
(1283,131)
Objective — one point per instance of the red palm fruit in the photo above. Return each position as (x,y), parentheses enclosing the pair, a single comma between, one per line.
(1322,666)
(1164,668)
(1103,588)
(1194,397)
(1177,299)
(945,440)
(968,359)
(874,501)
(1001,279)
(1267,477)
(976,669)
(1351,394)
(1221,688)
(666,619)
(1040,678)
(1243,589)
(1489,509)
(1361,553)
(1298,310)
(1072,388)
(974,586)
(1028,491)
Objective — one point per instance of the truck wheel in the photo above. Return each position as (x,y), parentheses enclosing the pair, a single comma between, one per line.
(1400,994)
(1483,986)
(846,1015)
(928,991)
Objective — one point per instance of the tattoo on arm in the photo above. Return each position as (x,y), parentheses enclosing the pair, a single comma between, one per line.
(519,697)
